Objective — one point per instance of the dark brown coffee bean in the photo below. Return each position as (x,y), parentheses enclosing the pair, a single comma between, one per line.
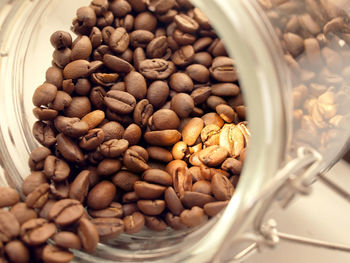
(214,101)
(156,68)
(56,169)
(159,154)
(119,40)
(38,197)
(114,148)
(186,23)
(193,217)
(44,114)
(101,195)
(61,39)
(157,93)
(132,134)
(135,85)
(181,82)
(92,140)
(99,52)
(9,226)
(72,127)
(130,197)
(61,101)
(201,18)
(221,187)
(213,118)
(68,240)
(134,161)
(165,119)
(80,186)
(200,95)
(212,209)
(203,58)
(179,150)
(173,202)
(69,149)
(118,86)
(157,47)
(183,56)
(44,133)
(225,89)
(120,101)
(125,180)
(120,8)
(66,212)
(141,151)
(183,38)
(217,48)
(141,38)
(95,37)
(223,70)
(226,113)
(157,176)
(81,48)
(88,234)
(97,97)
(155,223)
(44,94)
(85,20)
(138,56)
(162,138)
(174,222)
(112,130)
(8,196)
(145,21)
(213,155)
(54,76)
(134,223)
(108,167)
(37,231)
(61,58)
(148,191)
(116,64)
(191,199)
(182,180)
(17,252)
(143,111)
(108,227)
(79,107)
(128,209)
(104,79)
(198,73)
(77,69)
(151,207)
(122,119)
(182,104)
(106,35)
(192,130)
(114,210)
(160,6)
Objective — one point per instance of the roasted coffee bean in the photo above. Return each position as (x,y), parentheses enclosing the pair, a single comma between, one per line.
(182,180)
(160,6)
(181,82)
(134,161)
(155,223)
(38,197)
(200,95)
(112,130)
(95,37)
(183,56)
(213,155)
(108,167)
(72,127)
(179,150)
(231,138)
(132,134)
(182,104)
(92,140)
(213,118)
(61,101)
(69,149)
(108,227)
(68,240)
(223,70)
(22,212)
(44,114)
(162,138)
(56,169)
(159,154)
(217,48)
(104,79)
(53,253)
(125,180)
(196,174)
(145,21)
(226,113)
(117,64)
(186,23)
(151,207)
(77,69)
(44,94)
(212,209)
(141,38)
(157,176)
(37,231)
(101,195)
(66,212)
(143,111)
(183,38)
(174,221)
(17,252)
(127,55)
(130,197)
(122,119)
(118,86)
(59,190)
(114,148)
(202,186)
(54,76)
(193,217)
(203,58)
(81,48)
(225,90)
(164,119)
(198,73)
(138,56)
(134,223)
(9,226)
(128,209)
(232,165)
(85,20)
(156,69)
(8,196)
(32,181)
(148,191)
(88,234)
(201,18)
(135,85)
(62,57)
(173,202)
(80,186)
(61,39)
(82,87)
(191,199)
(120,8)
(141,151)
(192,131)
(214,101)
(120,101)
(114,210)
(221,187)
(157,47)
(119,40)
(173,165)
(79,107)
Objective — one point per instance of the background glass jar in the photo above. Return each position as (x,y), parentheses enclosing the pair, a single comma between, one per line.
(291,57)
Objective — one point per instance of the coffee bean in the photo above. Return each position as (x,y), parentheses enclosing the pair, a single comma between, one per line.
(72,127)
(222,70)
(44,114)
(130,197)
(214,101)
(128,209)
(141,151)
(186,23)
(183,56)
(116,64)
(162,138)
(226,113)
(38,197)
(95,37)
(173,202)
(213,155)
(191,199)
(8,196)
(17,252)
(225,89)
(135,85)
(56,169)
(232,139)
(80,186)
(54,76)
(120,8)
(120,102)
(193,217)
(122,119)
(32,181)
(156,68)
(164,119)
(108,227)
(101,195)
(232,165)
(148,191)
(53,253)
(198,73)
(112,130)
(151,207)
(174,221)
(22,212)
(132,134)
(37,231)
(68,240)
(213,118)
(157,176)
(203,58)
(179,150)
(217,48)
(119,40)
(157,47)
(183,38)
(192,130)
(143,111)
(62,57)
(201,18)
(200,95)
(92,140)
(77,69)
(182,180)
(221,187)
(69,149)
(159,154)
(141,38)
(108,167)
(85,20)
(81,48)
(155,223)
(114,148)
(181,82)
(182,104)
(202,186)
(9,226)
(88,234)
(160,6)
(212,209)
(66,212)
(114,210)
(173,165)
(134,223)
(44,94)
(61,39)
(134,161)
(125,180)
(79,107)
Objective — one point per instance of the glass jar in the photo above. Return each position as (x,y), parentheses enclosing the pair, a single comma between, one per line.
(292,58)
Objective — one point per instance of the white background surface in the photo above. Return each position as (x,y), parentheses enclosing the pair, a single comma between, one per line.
(322,215)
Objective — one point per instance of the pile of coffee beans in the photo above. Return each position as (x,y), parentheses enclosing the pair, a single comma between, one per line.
(142,124)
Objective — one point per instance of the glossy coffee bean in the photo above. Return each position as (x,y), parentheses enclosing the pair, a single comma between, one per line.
(37,231)
(88,234)
(151,207)
(134,161)
(108,227)
(125,180)
(80,186)
(69,149)
(143,111)
(191,199)
(181,82)
(132,134)
(56,169)
(120,102)
(193,217)
(173,202)
(212,209)
(114,148)
(9,226)
(66,212)
(221,187)
(164,119)
(134,223)
(182,104)
(101,195)
(192,131)
(156,69)
(159,154)
(119,40)
(114,210)
(162,138)
(68,240)
(38,197)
